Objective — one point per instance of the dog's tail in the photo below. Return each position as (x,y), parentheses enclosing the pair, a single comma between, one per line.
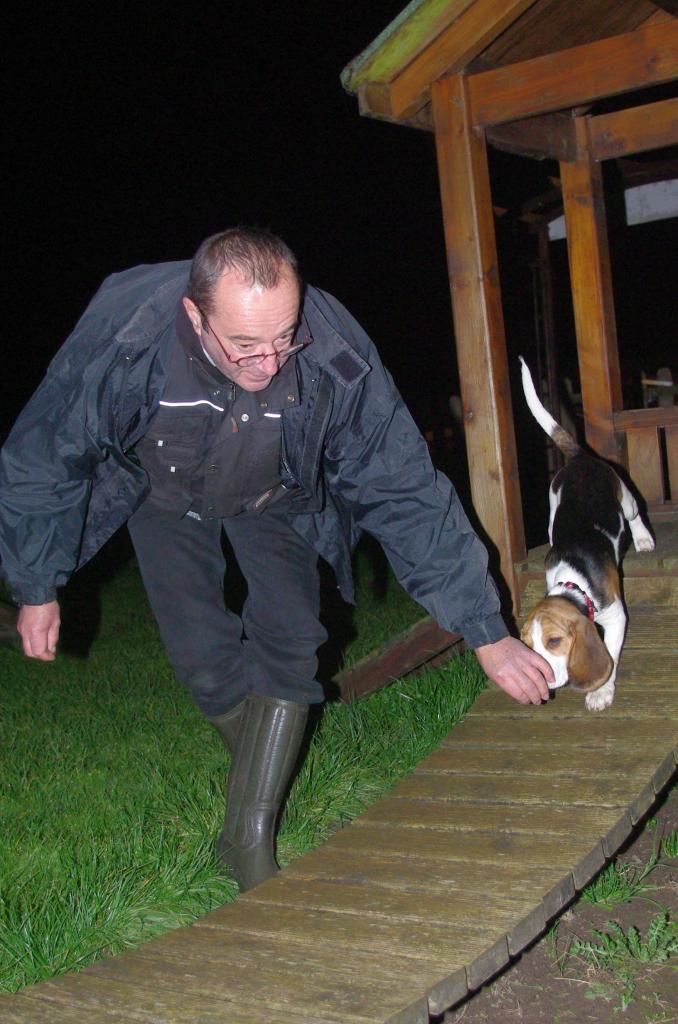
(564,441)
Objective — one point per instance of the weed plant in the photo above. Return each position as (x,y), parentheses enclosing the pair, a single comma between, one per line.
(618,883)
(112,781)
(614,947)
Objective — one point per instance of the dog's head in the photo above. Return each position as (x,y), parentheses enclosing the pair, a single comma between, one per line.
(570,642)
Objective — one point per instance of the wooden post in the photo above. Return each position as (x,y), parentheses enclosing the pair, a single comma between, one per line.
(548,317)
(478,323)
(589,258)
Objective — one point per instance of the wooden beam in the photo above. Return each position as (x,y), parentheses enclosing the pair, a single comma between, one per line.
(644,172)
(581,74)
(592,296)
(548,136)
(634,130)
(475,28)
(416,648)
(374,100)
(638,419)
(479,324)
(401,41)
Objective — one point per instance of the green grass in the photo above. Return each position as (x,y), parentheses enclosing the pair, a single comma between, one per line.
(619,961)
(111,782)
(670,845)
(619,882)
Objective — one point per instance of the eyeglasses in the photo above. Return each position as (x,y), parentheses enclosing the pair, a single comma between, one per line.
(282,351)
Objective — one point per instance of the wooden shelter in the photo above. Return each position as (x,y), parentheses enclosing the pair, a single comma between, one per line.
(529,76)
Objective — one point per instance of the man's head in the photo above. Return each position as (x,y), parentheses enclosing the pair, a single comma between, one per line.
(243,300)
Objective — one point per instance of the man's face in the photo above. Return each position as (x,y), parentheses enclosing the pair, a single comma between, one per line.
(248,320)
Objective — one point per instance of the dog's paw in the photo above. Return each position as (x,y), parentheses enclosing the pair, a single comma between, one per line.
(600,699)
(642,538)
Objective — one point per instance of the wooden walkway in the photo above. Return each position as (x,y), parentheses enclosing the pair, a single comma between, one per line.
(440,883)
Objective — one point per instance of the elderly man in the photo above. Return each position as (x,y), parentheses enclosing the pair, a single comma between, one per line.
(223,395)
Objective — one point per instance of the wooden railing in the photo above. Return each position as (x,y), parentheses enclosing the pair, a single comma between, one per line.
(652,451)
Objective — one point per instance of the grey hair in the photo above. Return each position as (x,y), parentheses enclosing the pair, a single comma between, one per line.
(255,253)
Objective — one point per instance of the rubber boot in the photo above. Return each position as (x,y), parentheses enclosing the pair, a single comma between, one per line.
(264,757)
(228,725)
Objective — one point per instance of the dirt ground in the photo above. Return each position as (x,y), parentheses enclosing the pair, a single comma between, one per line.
(546,985)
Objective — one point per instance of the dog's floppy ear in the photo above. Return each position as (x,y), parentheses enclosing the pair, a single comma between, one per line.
(589,662)
(526,631)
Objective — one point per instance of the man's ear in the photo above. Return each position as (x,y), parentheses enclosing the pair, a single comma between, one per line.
(589,663)
(193,314)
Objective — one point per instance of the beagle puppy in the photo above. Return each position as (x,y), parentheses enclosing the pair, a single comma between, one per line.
(579,625)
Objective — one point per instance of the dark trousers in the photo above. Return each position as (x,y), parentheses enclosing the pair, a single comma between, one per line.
(220,656)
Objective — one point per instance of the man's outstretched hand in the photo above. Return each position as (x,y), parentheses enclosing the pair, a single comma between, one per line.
(516,669)
(38,627)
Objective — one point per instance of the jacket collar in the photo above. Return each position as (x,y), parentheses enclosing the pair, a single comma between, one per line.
(157,313)
(330,350)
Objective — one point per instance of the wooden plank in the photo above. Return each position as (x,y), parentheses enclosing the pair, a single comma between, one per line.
(551,886)
(417,874)
(549,819)
(671,434)
(246,952)
(487,964)
(334,998)
(18,1009)
(562,790)
(75,999)
(230,952)
(570,737)
(645,463)
(617,834)
(449,948)
(648,669)
(574,857)
(428,943)
(490,848)
(666,772)
(416,1013)
(634,130)
(653,630)
(452,51)
(409,650)
(479,325)
(386,904)
(576,76)
(550,25)
(592,296)
(549,135)
(638,764)
(645,418)
(633,699)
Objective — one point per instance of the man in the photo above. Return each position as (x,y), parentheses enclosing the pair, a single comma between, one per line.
(223,395)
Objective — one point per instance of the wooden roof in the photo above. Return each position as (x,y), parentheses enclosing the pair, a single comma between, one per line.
(431,38)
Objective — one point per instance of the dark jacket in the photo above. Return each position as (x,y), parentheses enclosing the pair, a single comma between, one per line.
(68,479)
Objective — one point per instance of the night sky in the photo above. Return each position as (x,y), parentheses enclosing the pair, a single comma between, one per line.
(138,129)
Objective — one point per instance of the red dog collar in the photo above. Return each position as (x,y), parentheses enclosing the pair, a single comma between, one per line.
(590,607)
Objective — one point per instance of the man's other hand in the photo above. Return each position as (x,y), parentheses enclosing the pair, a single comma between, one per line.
(516,669)
(38,627)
